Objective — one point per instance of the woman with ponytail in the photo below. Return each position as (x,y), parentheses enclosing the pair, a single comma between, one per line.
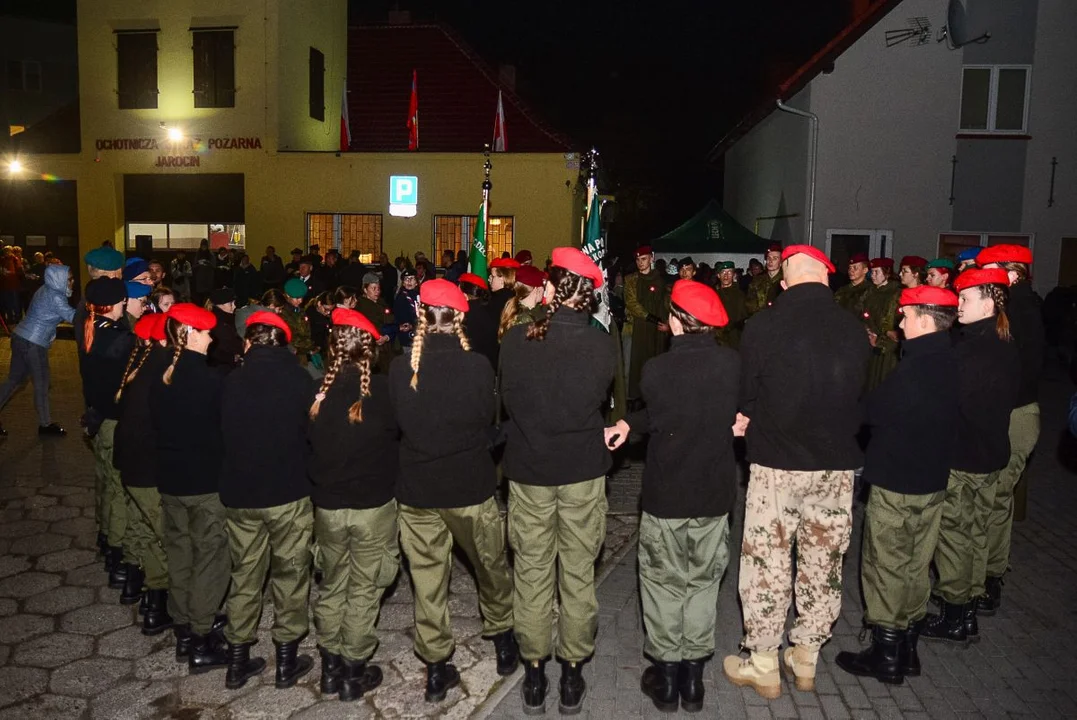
(442,395)
(185,410)
(135,457)
(525,306)
(355,453)
(989,371)
(555,382)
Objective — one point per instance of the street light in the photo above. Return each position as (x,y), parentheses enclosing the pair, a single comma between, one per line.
(14,167)
(175,134)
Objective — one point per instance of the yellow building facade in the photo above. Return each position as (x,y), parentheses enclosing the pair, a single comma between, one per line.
(266,170)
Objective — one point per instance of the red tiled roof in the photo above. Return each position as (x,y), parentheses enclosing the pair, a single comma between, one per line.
(457,94)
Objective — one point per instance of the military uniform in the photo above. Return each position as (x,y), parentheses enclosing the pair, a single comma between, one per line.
(880,310)
(381,317)
(851,297)
(762,291)
(736,307)
(646,305)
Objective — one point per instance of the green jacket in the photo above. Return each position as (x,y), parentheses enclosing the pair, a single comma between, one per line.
(737,309)
(851,297)
(762,291)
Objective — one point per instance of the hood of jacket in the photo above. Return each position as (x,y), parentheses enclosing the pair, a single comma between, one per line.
(56,277)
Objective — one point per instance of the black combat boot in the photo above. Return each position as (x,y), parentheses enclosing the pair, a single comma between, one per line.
(573,688)
(241,667)
(535,687)
(156,620)
(357,678)
(332,667)
(948,625)
(143,603)
(53,429)
(507,652)
(690,679)
(102,544)
(183,642)
(988,603)
(113,564)
(206,654)
(132,586)
(972,628)
(909,658)
(440,678)
(659,683)
(290,666)
(881,660)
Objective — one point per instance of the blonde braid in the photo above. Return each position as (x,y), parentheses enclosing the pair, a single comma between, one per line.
(417,349)
(458,331)
(129,373)
(331,372)
(178,333)
(355,412)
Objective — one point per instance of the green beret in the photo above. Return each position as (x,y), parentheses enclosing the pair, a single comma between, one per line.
(104,258)
(941,263)
(295,288)
(727,265)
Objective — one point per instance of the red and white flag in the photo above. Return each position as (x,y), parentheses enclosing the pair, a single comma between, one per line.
(345,122)
(413,113)
(501,143)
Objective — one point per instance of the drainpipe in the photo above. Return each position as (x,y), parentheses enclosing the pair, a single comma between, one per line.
(814,158)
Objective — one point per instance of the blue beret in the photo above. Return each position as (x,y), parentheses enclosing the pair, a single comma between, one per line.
(968,254)
(137,290)
(104,258)
(134,267)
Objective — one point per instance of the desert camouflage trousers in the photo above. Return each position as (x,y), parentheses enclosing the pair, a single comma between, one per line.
(810,512)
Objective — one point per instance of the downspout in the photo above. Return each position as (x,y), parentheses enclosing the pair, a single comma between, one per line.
(814,158)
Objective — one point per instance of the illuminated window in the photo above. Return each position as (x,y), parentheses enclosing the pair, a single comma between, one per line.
(454,232)
(188,236)
(346,232)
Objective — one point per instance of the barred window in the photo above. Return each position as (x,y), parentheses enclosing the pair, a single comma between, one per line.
(454,232)
(347,232)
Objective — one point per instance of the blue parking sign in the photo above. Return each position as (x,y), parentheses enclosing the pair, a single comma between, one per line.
(403,190)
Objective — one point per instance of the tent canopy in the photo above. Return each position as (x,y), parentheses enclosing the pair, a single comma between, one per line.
(711,230)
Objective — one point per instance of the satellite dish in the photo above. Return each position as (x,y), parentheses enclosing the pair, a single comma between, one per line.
(955,32)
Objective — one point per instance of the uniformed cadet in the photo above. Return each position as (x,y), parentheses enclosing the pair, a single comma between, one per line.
(940,272)
(134,455)
(735,306)
(481,323)
(967,258)
(185,413)
(687,269)
(851,296)
(138,298)
(765,286)
(689,486)
(266,493)
(556,376)
(353,464)
(803,409)
(294,314)
(373,306)
(502,282)
(913,272)
(880,317)
(989,374)
(107,343)
(443,399)
(914,407)
(1026,326)
(526,305)
(646,312)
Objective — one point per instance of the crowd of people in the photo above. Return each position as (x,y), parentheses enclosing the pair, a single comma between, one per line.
(328,416)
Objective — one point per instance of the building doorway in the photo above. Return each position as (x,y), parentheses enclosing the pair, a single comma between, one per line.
(1067,263)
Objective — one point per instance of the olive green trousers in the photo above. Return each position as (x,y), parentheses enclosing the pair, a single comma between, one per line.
(197,551)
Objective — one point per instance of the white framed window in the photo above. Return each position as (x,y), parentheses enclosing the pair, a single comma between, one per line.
(994,99)
(951,243)
(842,243)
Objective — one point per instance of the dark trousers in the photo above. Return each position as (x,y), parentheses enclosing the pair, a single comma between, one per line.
(28,359)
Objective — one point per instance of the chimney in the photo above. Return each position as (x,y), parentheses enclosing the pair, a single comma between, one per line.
(400,17)
(506,77)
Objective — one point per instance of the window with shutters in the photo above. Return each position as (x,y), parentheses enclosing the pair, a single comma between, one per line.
(214,68)
(136,53)
(317,84)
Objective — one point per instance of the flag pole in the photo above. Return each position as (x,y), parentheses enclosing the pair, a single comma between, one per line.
(486,187)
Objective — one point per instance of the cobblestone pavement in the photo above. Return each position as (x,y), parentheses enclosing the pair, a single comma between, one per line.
(1023,667)
(68,649)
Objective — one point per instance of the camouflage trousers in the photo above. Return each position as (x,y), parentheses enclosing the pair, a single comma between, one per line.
(813,512)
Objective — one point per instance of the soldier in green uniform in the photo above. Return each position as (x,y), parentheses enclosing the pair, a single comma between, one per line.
(880,312)
(913,271)
(380,316)
(766,285)
(646,313)
(940,272)
(851,296)
(735,306)
(295,290)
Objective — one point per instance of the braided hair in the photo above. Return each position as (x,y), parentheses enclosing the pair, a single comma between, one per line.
(572,291)
(999,294)
(135,360)
(440,320)
(513,308)
(348,345)
(177,335)
(91,322)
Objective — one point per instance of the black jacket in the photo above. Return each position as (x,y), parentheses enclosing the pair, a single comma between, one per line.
(1025,312)
(498,300)
(989,374)
(264,407)
(227,346)
(444,451)
(804,363)
(186,418)
(354,465)
(134,451)
(103,367)
(556,393)
(481,328)
(913,418)
(689,473)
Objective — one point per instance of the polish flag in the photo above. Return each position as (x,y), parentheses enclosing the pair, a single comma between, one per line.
(345,122)
(413,113)
(501,143)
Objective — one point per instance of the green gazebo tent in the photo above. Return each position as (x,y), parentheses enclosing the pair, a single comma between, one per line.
(712,235)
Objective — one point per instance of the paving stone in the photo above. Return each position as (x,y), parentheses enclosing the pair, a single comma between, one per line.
(59,600)
(79,500)
(86,678)
(92,575)
(396,617)
(27,583)
(8,606)
(46,707)
(267,702)
(65,560)
(208,688)
(39,501)
(159,665)
(135,701)
(130,644)
(22,528)
(5,653)
(336,710)
(17,684)
(16,628)
(53,650)
(74,526)
(52,514)
(61,490)
(11,565)
(42,544)
(98,619)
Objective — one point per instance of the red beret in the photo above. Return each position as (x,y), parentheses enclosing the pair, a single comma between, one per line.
(700,301)
(524,257)
(883,262)
(1004,253)
(644,250)
(914,261)
(267,317)
(505,263)
(858,258)
(354,318)
(812,252)
(977,276)
(531,276)
(474,280)
(927,295)
(190,314)
(774,247)
(442,293)
(574,260)
(151,326)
